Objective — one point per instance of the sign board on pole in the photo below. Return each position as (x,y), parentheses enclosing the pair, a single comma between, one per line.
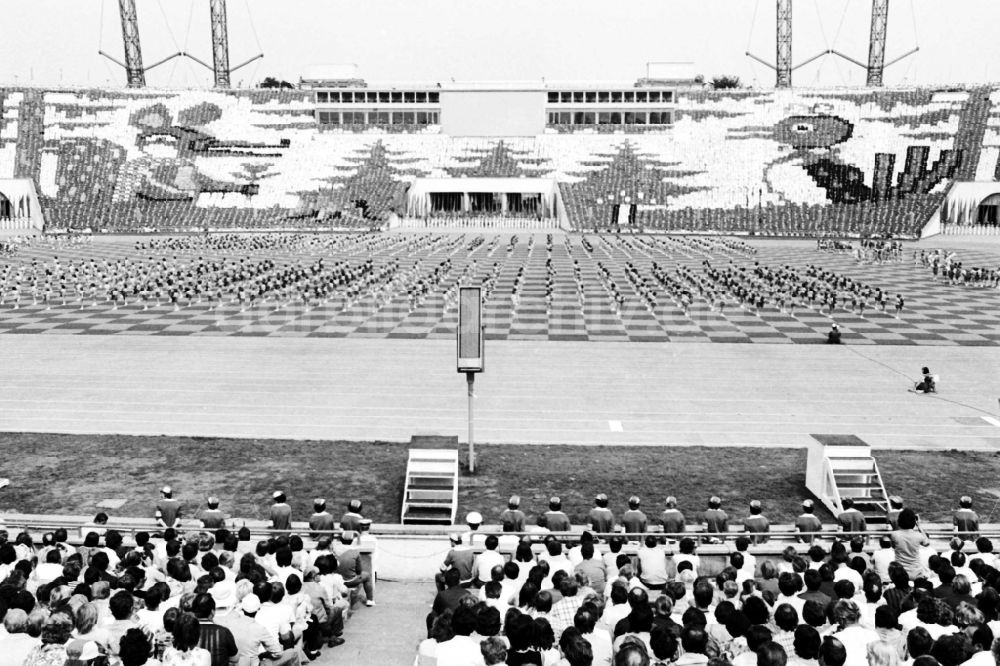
(471,350)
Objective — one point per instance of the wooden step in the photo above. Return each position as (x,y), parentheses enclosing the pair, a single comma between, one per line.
(852,491)
(427,504)
(424,495)
(430,467)
(859,464)
(427,516)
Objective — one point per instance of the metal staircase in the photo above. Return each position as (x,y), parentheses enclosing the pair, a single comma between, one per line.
(430,496)
(842,466)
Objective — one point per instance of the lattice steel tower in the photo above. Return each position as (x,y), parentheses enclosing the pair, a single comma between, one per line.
(876,43)
(220,44)
(783,63)
(134,71)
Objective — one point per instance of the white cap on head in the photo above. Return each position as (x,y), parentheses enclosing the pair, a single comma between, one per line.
(250,604)
(474,518)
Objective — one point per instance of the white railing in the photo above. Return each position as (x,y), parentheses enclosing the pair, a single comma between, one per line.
(972,230)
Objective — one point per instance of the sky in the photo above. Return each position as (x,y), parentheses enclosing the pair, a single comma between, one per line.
(55,42)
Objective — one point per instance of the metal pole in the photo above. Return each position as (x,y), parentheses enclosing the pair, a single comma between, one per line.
(470,377)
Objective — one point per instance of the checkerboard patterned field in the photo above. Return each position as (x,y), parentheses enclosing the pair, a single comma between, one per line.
(936,313)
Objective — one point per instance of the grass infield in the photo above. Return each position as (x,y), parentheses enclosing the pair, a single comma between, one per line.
(70,474)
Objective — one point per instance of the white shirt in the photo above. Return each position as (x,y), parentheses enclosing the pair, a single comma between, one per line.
(845,572)
(937,631)
(613,614)
(46,573)
(151,620)
(600,645)
(749,562)
(693,559)
(485,562)
(856,639)
(276,618)
(282,573)
(653,565)
(868,612)
(459,651)
(609,562)
(17,647)
(981,658)
(795,602)
(508,594)
(555,564)
(881,559)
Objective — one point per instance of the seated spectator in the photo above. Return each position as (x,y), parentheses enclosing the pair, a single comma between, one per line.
(833,653)
(185,650)
(520,634)
(135,648)
(574,649)
(56,633)
(771,654)
(850,633)
(756,637)
(694,642)
(494,651)
(805,646)
(16,644)
(486,560)
(882,654)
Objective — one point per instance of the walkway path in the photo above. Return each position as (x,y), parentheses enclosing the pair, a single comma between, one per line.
(387,634)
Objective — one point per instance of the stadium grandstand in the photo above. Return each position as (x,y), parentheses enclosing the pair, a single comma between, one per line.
(231,319)
(636,156)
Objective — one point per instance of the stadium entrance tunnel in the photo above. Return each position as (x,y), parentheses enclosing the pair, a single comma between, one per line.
(19,206)
(974,203)
(989,210)
(500,198)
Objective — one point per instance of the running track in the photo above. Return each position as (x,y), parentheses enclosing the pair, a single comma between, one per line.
(532,392)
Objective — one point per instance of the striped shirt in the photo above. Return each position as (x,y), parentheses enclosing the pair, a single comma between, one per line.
(218,641)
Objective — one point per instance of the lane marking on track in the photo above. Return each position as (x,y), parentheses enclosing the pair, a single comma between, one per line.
(615,426)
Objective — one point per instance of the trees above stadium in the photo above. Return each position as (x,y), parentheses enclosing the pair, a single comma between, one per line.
(726,82)
(271,82)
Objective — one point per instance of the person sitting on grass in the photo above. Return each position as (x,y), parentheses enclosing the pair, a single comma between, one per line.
(927,384)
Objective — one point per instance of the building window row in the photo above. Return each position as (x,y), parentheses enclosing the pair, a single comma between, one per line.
(612,97)
(611,118)
(378,117)
(377,97)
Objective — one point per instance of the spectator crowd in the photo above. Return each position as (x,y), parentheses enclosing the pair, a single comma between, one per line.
(860,599)
(164,597)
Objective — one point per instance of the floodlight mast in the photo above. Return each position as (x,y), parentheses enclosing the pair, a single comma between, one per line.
(221,70)
(783,67)
(876,46)
(135,73)
(783,46)
(876,42)
(220,44)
